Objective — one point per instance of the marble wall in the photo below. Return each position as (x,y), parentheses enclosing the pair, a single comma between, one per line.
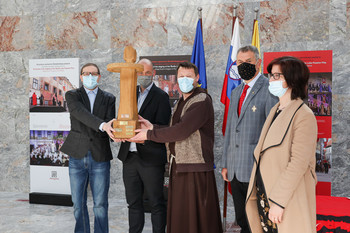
(98,31)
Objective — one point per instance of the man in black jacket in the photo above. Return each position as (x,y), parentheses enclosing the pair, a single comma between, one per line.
(143,164)
(91,113)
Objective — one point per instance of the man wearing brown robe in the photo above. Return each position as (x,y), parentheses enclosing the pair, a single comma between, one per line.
(193,204)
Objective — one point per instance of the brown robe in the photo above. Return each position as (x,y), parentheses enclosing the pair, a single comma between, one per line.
(193,204)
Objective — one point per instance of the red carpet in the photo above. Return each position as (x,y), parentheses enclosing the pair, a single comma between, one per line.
(333,214)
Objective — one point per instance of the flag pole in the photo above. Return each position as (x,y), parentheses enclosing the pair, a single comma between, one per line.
(256,13)
(225,207)
(224,214)
(256,10)
(200,16)
(235,6)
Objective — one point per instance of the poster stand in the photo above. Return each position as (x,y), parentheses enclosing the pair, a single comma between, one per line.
(49,125)
(50,199)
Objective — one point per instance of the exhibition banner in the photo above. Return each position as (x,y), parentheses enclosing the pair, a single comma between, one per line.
(165,78)
(49,124)
(320,102)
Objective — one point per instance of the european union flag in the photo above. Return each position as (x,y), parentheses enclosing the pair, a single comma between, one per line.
(198,57)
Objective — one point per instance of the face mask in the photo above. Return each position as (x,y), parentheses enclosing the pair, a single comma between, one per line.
(276,88)
(185,84)
(246,70)
(144,81)
(90,82)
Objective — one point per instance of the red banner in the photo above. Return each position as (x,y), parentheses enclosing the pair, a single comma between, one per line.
(319,100)
(318,61)
(320,84)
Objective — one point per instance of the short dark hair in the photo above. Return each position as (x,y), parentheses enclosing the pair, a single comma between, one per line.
(89,64)
(187,65)
(295,72)
(250,48)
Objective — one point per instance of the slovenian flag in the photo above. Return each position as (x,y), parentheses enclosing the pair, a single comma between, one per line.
(232,78)
(198,56)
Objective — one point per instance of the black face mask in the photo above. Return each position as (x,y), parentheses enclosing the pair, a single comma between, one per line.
(246,70)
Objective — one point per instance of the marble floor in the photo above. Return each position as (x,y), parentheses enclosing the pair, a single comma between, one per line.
(18,216)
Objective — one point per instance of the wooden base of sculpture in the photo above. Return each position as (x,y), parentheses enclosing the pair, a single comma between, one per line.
(125,128)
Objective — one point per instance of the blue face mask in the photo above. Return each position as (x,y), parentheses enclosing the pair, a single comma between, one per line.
(276,88)
(185,84)
(90,82)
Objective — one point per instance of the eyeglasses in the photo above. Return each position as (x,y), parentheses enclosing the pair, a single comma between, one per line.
(275,76)
(88,73)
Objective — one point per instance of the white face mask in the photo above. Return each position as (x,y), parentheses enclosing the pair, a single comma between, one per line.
(185,84)
(276,88)
(90,82)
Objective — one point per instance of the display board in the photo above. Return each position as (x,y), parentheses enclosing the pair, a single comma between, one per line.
(49,126)
(320,101)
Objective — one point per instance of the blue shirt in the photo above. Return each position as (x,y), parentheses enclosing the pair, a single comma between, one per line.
(92,96)
(141,98)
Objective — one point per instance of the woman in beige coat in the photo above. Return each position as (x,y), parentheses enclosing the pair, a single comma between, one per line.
(281,194)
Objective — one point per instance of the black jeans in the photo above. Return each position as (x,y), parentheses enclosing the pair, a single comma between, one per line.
(239,193)
(137,180)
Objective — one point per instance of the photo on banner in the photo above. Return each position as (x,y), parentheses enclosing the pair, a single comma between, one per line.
(46,94)
(165,78)
(45,148)
(49,125)
(319,100)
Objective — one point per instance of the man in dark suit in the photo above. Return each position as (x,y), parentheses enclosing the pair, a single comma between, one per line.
(88,148)
(143,164)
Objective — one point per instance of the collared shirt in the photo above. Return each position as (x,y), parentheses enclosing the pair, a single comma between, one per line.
(141,98)
(92,96)
(250,84)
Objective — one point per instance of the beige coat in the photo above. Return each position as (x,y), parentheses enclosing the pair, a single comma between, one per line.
(287,166)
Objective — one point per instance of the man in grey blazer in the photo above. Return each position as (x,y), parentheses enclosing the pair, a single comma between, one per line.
(250,104)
